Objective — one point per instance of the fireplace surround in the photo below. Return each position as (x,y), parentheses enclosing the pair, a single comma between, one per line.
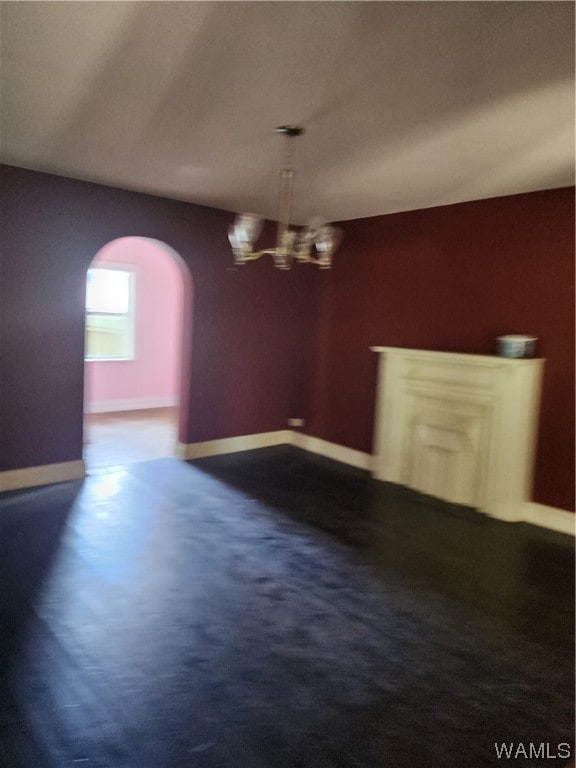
(459,427)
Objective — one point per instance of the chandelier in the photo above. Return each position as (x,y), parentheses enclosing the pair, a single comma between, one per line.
(291,244)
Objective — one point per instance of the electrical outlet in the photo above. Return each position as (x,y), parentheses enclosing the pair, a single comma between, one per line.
(295,422)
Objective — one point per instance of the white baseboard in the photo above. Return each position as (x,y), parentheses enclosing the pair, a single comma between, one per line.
(131,404)
(333,451)
(268,439)
(30,477)
(232,444)
(549,517)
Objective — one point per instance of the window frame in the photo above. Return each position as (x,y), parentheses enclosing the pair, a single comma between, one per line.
(130,315)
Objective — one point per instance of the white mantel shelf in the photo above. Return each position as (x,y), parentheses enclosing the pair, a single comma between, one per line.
(462,358)
(461,427)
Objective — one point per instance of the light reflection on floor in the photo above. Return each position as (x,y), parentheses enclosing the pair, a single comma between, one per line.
(115,439)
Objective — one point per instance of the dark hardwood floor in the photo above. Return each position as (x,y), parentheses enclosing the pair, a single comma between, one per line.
(275,609)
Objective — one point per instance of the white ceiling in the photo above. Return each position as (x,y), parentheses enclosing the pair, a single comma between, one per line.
(405,104)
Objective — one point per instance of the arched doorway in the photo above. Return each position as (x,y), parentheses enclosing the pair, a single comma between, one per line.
(137,349)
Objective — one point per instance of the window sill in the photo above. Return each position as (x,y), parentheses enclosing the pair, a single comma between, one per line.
(109,359)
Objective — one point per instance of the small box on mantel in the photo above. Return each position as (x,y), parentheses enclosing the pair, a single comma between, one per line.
(516,346)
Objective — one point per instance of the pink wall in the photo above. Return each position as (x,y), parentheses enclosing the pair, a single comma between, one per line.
(154,373)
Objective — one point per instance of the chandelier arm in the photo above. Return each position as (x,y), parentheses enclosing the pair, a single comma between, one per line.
(310,259)
(258,254)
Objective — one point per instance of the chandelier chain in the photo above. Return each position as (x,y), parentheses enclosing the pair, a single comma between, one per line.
(289,154)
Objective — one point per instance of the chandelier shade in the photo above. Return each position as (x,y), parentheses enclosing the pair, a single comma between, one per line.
(314,243)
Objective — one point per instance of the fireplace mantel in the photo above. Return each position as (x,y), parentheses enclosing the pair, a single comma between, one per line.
(460,427)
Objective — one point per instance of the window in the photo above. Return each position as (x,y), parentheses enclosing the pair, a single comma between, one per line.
(109,314)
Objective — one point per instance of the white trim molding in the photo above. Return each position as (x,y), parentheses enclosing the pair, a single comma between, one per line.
(30,477)
(191,451)
(332,451)
(549,517)
(131,404)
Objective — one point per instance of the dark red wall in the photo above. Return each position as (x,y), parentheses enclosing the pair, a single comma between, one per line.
(247,372)
(452,278)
